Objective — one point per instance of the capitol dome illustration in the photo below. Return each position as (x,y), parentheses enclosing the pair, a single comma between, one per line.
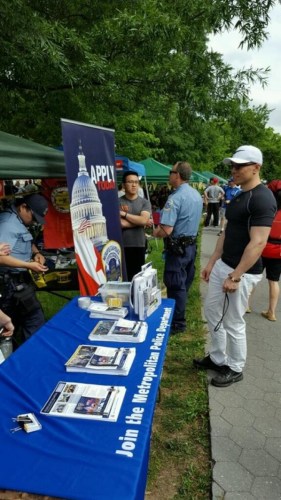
(86,208)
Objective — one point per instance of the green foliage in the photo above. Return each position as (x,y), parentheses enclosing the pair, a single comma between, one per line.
(141,67)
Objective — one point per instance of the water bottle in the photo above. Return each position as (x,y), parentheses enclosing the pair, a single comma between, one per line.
(6,346)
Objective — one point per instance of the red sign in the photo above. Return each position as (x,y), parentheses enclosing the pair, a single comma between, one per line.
(119,165)
(2,189)
(57,230)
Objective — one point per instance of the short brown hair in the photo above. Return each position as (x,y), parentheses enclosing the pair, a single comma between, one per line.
(184,169)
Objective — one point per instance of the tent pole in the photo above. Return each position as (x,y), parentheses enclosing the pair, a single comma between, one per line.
(147,194)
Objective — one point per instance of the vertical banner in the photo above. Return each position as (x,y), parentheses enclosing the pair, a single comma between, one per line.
(94,208)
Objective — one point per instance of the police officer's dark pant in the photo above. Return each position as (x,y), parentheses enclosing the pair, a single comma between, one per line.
(26,318)
(178,276)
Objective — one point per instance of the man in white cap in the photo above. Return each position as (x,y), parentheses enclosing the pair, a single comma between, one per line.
(18,298)
(235,267)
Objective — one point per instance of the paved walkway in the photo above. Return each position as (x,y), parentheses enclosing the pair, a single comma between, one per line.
(245,418)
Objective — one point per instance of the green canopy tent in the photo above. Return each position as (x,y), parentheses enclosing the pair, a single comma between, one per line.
(158,173)
(209,175)
(24,159)
(155,171)
(197,177)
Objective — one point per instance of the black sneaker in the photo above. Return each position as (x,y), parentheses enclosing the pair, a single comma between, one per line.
(207,364)
(175,331)
(177,328)
(227,378)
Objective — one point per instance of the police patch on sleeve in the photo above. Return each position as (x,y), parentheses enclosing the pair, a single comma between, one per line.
(168,205)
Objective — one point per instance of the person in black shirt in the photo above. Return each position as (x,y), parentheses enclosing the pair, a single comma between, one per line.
(236,267)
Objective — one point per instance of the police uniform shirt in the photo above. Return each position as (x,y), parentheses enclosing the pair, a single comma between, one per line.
(15,233)
(183,211)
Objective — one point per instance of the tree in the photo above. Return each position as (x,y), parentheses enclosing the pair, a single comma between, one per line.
(141,67)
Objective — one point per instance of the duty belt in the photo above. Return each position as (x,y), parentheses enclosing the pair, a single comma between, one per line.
(15,276)
(186,240)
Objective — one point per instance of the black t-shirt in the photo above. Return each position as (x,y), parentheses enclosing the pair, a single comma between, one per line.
(256,207)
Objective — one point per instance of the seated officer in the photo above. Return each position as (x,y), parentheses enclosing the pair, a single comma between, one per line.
(18,298)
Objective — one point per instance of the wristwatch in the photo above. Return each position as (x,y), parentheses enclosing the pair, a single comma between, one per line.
(234,280)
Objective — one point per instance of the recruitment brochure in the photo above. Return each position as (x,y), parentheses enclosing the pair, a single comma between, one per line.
(149,301)
(103,360)
(122,330)
(93,402)
(101,310)
(146,294)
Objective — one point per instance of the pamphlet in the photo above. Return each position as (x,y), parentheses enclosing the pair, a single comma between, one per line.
(104,360)
(146,294)
(101,310)
(149,301)
(139,284)
(93,402)
(122,330)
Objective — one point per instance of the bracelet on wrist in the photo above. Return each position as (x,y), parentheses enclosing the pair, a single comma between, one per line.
(125,216)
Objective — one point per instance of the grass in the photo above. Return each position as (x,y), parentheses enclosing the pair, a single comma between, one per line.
(180,466)
(53,303)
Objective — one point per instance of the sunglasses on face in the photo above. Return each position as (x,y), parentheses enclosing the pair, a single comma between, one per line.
(237,166)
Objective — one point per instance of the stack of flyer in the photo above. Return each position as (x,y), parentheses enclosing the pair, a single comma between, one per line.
(101,310)
(103,360)
(94,402)
(122,330)
(146,294)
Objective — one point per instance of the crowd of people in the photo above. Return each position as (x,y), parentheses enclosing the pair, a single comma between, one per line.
(248,215)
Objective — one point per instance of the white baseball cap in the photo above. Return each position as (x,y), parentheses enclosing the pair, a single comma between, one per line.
(245,154)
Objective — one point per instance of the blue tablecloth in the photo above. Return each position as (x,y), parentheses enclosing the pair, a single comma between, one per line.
(76,458)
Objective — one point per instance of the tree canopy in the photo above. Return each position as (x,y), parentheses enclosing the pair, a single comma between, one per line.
(142,67)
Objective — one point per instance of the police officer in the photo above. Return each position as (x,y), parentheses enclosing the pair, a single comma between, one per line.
(6,325)
(180,219)
(18,293)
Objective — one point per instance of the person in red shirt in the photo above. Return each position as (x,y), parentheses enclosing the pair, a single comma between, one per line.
(271,256)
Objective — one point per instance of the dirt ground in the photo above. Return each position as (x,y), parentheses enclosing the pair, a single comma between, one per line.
(17,495)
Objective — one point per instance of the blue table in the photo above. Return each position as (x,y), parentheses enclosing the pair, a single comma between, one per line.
(75,458)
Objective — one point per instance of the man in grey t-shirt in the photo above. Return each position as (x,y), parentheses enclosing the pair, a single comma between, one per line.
(135,214)
(213,194)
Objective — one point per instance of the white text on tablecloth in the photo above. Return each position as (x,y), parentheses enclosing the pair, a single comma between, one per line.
(129,440)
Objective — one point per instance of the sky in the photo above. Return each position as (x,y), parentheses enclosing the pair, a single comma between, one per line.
(267,56)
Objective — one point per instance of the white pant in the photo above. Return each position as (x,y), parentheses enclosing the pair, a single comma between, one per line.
(228,343)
